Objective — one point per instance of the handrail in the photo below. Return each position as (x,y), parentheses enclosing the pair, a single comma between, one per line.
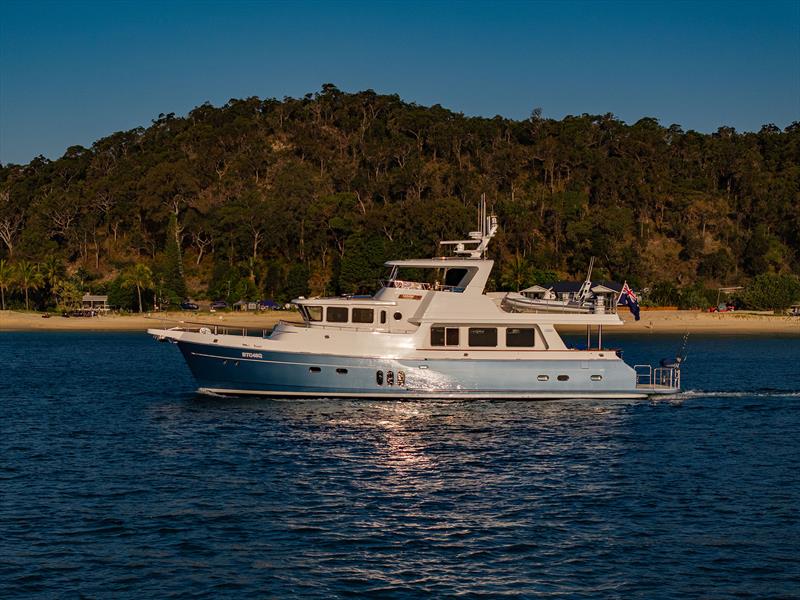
(663,377)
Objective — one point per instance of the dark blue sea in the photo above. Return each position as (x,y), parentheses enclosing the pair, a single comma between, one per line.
(118,481)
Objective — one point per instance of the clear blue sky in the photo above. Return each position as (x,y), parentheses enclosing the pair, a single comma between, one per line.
(72,72)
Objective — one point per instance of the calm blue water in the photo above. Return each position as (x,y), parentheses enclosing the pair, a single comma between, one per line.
(116,480)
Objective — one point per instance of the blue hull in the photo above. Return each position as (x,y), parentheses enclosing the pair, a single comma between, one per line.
(232,371)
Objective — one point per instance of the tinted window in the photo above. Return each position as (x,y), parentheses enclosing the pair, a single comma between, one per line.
(363,315)
(444,336)
(519,338)
(314,313)
(383,316)
(454,276)
(336,314)
(482,336)
(452,336)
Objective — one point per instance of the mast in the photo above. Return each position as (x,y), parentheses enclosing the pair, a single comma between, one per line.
(482,237)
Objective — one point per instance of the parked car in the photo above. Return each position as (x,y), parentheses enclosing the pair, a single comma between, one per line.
(268,305)
(186,305)
(723,307)
(219,305)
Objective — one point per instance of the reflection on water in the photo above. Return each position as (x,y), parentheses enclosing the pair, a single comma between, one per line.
(117,479)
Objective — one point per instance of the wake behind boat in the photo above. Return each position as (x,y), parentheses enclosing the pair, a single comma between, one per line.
(430,331)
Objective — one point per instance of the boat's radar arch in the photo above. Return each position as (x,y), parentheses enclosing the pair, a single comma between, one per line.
(480,239)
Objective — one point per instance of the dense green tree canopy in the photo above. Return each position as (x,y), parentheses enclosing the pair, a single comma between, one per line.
(310,195)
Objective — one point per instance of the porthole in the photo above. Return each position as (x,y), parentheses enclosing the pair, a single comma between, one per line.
(341,371)
(389,378)
(401,378)
(543,378)
(398,316)
(563,377)
(379,377)
(597,378)
(314,369)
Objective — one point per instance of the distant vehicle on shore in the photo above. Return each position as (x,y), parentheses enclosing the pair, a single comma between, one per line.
(80,313)
(219,305)
(269,305)
(186,305)
(723,307)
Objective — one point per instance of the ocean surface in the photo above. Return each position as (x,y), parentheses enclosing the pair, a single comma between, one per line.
(118,480)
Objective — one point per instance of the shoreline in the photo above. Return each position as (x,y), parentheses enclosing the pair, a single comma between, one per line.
(32,321)
(652,321)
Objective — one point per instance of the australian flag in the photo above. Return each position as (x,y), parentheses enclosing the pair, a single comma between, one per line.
(629,299)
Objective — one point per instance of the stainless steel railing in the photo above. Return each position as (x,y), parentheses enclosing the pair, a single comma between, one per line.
(660,377)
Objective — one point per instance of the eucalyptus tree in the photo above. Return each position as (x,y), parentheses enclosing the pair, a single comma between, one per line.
(6,279)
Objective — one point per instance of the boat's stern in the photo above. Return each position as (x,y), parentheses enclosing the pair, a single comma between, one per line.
(659,380)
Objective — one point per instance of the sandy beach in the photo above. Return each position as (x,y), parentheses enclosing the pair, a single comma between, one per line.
(656,321)
(30,321)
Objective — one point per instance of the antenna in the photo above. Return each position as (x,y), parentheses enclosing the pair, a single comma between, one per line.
(488,228)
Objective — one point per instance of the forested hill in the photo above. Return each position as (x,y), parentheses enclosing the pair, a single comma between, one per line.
(269,198)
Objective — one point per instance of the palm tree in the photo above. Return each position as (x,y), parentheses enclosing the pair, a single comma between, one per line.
(140,277)
(516,272)
(6,277)
(29,278)
(53,271)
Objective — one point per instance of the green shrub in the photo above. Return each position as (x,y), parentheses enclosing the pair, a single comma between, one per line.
(771,291)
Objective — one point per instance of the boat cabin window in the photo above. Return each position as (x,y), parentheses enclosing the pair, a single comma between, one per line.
(444,336)
(442,278)
(336,314)
(483,336)
(454,276)
(314,313)
(383,317)
(520,337)
(363,315)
